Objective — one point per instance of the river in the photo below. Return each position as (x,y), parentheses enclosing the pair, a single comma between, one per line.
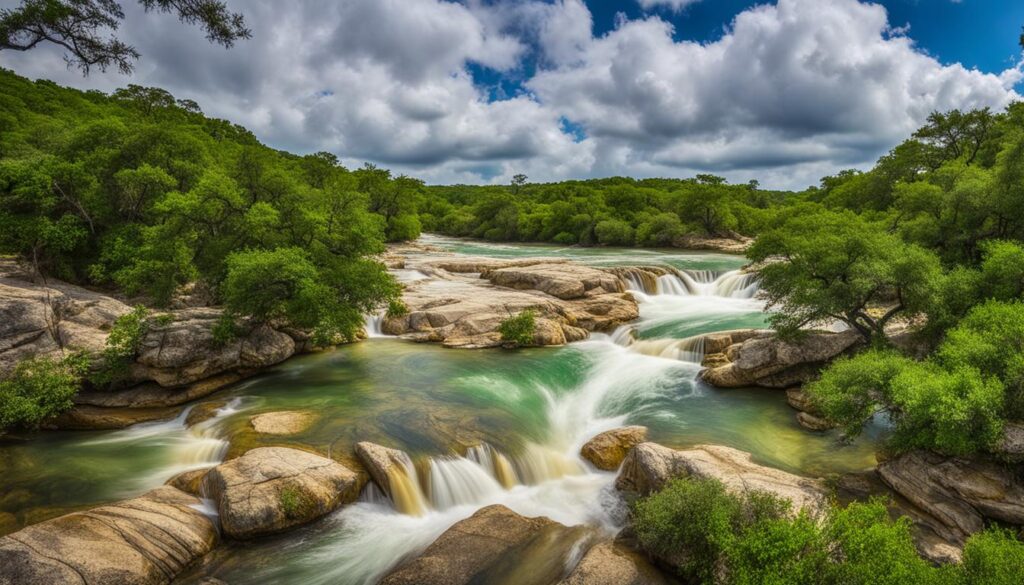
(530,409)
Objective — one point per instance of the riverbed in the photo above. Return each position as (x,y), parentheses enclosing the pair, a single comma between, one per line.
(453,411)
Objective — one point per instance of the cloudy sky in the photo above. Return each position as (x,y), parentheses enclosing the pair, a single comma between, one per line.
(479,90)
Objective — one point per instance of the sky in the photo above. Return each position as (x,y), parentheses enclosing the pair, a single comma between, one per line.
(783,92)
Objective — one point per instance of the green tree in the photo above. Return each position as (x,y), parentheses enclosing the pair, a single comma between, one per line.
(39,388)
(835,266)
(78,26)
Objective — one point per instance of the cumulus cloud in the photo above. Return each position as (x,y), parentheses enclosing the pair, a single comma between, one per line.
(791,92)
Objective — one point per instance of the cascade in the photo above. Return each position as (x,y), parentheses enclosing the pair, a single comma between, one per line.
(372,324)
(733,284)
(539,463)
(454,481)
(495,463)
(690,349)
(405,488)
(639,280)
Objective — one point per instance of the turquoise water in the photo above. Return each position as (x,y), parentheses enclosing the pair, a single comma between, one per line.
(435,402)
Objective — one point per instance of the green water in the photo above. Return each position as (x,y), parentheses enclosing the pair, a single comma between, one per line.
(433,401)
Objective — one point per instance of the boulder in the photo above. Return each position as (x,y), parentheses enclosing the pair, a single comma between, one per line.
(44,319)
(959,493)
(494,546)
(764,360)
(1011,447)
(650,466)
(609,563)
(190,482)
(184,351)
(812,422)
(607,450)
(271,489)
(153,395)
(287,422)
(379,462)
(808,417)
(146,540)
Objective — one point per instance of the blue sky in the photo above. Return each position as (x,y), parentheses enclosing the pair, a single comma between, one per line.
(476,91)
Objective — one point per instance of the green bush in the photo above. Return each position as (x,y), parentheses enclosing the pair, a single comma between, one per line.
(225,330)
(993,557)
(519,329)
(123,344)
(397,308)
(38,389)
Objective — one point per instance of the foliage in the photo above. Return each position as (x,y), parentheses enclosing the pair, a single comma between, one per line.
(397,308)
(141,192)
(822,265)
(519,329)
(710,535)
(955,403)
(122,346)
(38,389)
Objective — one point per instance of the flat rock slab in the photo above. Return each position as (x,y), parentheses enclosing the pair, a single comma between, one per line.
(649,467)
(764,360)
(272,489)
(286,422)
(143,541)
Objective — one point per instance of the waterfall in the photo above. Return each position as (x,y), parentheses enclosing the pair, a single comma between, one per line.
(639,279)
(690,349)
(539,463)
(373,325)
(455,481)
(733,284)
(495,463)
(624,335)
(405,488)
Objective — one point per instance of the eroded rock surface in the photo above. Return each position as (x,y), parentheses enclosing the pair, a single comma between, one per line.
(379,462)
(609,563)
(607,450)
(494,546)
(271,489)
(146,540)
(466,299)
(649,467)
(761,359)
(960,494)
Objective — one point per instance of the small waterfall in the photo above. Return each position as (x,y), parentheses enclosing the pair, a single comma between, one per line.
(454,481)
(495,463)
(372,494)
(638,279)
(733,284)
(737,285)
(624,335)
(538,464)
(405,488)
(373,325)
(690,349)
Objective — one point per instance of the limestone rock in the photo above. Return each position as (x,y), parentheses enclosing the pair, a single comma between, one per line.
(142,541)
(378,461)
(39,320)
(812,422)
(959,493)
(1011,447)
(190,482)
(91,418)
(494,546)
(764,360)
(607,450)
(152,395)
(650,466)
(287,422)
(564,281)
(609,563)
(184,351)
(271,489)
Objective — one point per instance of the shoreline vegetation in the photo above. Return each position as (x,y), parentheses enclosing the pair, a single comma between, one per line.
(153,255)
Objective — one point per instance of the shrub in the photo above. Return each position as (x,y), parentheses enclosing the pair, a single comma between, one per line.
(225,330)
(123,344)
(38,389)
(712,536)
(397,308)
(519,329)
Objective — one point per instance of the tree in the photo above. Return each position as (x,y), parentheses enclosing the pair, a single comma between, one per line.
(38,389)
(79,25)
(517,182)
(827,266)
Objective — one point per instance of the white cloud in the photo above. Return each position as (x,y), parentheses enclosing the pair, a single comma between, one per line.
(790,93)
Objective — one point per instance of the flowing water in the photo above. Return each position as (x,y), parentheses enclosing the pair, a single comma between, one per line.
(481,427)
